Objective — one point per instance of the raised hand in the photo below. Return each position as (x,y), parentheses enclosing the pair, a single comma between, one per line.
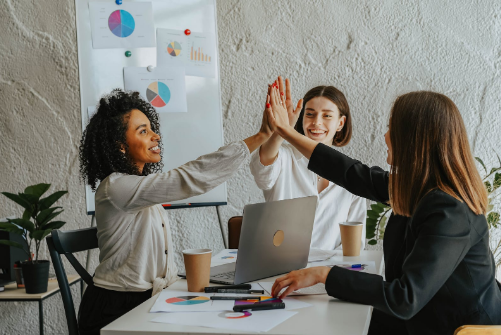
(277,115)
(293,112)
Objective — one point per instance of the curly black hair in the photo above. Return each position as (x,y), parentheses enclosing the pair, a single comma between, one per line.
(104,138)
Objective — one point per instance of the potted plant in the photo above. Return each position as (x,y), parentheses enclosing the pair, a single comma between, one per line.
(34,225)
(378,214)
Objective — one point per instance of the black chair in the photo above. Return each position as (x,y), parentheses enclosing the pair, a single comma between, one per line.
(66,243)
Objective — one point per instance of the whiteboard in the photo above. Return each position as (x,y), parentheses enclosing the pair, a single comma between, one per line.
(185,136)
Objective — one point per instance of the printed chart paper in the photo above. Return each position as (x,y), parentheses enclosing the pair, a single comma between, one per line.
(164,87)
(258,321)
(196,52)
(182,301)
(225,256)
(129,25)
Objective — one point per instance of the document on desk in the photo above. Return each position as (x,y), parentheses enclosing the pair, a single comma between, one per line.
(256,321)
(182,301)
(225,256)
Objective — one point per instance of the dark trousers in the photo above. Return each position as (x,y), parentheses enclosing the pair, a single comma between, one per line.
(383,324)
(101,307)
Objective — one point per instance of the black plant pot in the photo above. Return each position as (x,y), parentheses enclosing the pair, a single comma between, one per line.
(36,276)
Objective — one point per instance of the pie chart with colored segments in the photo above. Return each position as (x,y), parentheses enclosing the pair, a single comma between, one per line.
(187,300)
(121,23)
(264,300)
(237,315)
(174,49)
(158,94)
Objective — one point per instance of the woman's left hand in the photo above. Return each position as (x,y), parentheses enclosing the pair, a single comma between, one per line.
(295,280)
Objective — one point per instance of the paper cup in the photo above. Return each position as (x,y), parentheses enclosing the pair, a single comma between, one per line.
(197,264)
(351,236)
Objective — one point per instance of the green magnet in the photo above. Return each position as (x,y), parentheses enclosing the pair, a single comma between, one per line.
(128,54)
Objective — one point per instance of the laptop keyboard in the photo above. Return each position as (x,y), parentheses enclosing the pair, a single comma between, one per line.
(225,275)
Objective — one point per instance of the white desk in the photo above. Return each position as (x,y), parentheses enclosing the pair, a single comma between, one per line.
(326,315)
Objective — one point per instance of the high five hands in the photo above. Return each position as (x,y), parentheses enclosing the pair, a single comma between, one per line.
(280,110)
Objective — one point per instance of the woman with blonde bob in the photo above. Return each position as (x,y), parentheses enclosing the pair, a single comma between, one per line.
(440,272)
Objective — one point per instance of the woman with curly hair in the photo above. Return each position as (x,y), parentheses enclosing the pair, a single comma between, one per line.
(121,150)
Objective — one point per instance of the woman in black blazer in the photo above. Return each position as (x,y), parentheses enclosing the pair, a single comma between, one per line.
(440,272)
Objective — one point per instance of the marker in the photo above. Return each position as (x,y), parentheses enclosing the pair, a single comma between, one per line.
(234,298)
(213,289)
(259,307)
(240,291)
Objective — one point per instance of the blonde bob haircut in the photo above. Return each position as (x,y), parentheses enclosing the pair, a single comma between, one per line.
(430,151)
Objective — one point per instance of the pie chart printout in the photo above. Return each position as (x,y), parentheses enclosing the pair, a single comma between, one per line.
(158,94)
(174,49)
(187,300)
(121,23)
(237,315)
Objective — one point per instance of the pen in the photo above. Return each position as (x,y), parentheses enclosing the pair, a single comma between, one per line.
(259,307)
(234,298)
(239,291)
(213,289)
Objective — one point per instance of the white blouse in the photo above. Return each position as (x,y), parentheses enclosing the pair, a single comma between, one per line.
(288,178)
(135,244)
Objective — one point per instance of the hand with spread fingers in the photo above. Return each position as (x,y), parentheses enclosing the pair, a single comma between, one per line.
(298,279)
(278,116)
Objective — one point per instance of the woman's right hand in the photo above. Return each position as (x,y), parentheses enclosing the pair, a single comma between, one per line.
(293,113)
(278,117)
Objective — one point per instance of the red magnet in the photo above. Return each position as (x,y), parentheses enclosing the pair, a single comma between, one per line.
(187,32)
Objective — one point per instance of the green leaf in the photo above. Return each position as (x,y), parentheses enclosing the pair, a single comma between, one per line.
(37,190)
(11,228)
(482,163)
(30,198)
(40,234)
(26,214)
(371,222)
(497,181)
(493,219)
(372,242)
(54,225)
(26,224)
(19,200)
(488,186)
(382,223)
(12,244)
(493,170)
(377,208)
(373,215)
(46,215)
(51,199)
(370,234)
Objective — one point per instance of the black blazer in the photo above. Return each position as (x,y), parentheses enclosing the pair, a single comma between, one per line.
(438,265)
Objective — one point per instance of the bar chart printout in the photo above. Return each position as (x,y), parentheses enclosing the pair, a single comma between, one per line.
(196,52)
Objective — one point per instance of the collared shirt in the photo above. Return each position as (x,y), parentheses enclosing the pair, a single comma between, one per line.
(288,178)
(130,219)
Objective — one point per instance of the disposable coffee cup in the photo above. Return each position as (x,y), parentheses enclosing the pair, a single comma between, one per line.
(197,264)
(351,236)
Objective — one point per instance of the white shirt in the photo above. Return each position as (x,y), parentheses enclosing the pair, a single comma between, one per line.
(288,178)
(132,227)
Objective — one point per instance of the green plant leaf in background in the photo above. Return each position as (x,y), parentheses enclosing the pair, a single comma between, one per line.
(12,244)
(372,242)
(37,190)
(51,199)
(493,219)
(47,214)
(40,234)
(481,163)
(26,224)
(54,225)
(497,181)
(5,226)
(488,186)
(17,199)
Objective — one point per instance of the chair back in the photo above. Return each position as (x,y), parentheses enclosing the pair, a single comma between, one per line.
(234,229)
(66,243)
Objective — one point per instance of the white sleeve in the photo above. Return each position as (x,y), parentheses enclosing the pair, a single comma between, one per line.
(266,176)
(357,213)
(132,193)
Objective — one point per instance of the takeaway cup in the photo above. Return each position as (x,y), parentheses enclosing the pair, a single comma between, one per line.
(351,236)
(197,264)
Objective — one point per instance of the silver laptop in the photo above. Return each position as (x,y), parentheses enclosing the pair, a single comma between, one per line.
(275,239)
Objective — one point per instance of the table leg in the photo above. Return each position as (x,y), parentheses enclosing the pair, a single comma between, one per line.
(40,316)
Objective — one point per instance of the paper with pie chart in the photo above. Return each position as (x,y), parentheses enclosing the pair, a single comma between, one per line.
(163,87)
(196,52)
(182,301)
(257,321)
(129,25)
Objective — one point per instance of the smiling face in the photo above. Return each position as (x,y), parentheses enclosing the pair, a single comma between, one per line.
(321,120)
(141,140)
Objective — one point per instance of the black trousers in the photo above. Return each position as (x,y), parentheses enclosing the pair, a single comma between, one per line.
(383,324)
(101,307)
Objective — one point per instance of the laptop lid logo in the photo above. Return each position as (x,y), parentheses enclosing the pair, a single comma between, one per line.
(278,238)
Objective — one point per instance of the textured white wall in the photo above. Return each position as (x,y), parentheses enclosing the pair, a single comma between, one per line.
(371,50)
